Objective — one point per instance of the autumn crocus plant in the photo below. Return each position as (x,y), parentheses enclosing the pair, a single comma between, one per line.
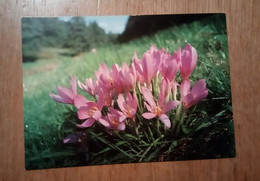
(144,93)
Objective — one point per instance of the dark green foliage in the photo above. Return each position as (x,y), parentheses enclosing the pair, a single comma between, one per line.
(41,32)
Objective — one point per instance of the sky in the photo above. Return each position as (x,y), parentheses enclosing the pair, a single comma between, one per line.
(113,24)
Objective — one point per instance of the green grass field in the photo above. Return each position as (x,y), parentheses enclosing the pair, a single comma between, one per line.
(44,119)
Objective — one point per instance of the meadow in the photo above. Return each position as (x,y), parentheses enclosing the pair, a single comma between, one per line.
(210,133)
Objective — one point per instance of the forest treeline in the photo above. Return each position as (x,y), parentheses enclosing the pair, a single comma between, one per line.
(75,35)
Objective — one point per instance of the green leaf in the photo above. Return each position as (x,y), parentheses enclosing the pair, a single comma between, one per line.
(203,125)
(185,130)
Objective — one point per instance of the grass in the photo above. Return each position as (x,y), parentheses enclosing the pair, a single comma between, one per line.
(208,130)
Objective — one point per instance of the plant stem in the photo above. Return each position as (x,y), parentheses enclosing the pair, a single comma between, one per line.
(136,128)
(158,126)
(176,119)
(180,123)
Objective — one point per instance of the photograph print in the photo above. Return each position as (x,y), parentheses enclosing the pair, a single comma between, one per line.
(102,90)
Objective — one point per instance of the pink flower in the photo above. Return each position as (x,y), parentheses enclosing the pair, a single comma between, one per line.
(188,61)
(158,109)
(88,111)
(128,106)
(105,96)
(177,55)
(113,121)
(107,80)
(66,95)
(169,68)
(80,101)
(127,77)
(89,86)
(164,90)
(196,94)
(148,66)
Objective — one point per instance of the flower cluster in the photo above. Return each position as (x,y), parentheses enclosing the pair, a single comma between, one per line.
(146,89)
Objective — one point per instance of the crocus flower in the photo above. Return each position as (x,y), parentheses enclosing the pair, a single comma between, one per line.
(88,110)
(89,86)
(158,109)
(80,101)
(128,106)
(113,121)
(105,96)
(66,95)
(188,61)
(77,137)
(177,55)
(196,94)
(127,77)
(165,88)
(169,68)
(107,79)
(148,66)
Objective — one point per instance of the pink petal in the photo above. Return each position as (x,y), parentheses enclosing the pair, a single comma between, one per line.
(188,101)
(148,107)
(147,63)
(104,122)
(132,70)
(164,91)
(121,126)
(148,115)
(129,98)
(174,87)
(125,67)
(161,99)
(165,119)
(170,105)
(120,102)
(115,112)
(83,113)
(65,93)
(114,72)
(177,55)
(101,100)
(185,87)
(97,115)
(198,87)
(189,60)
(89,86)
(201,96)
(59,99)
(81,85)
(169,68)
(135,102)
(133,112)
(131,101)
(148,96)
(153,48)
(104,69)
(87,123)
(89,83)
(73,85)
(80,101)
(137,63)
(122,118)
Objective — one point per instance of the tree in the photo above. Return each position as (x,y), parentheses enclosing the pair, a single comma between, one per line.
(41,32)
(77,38)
